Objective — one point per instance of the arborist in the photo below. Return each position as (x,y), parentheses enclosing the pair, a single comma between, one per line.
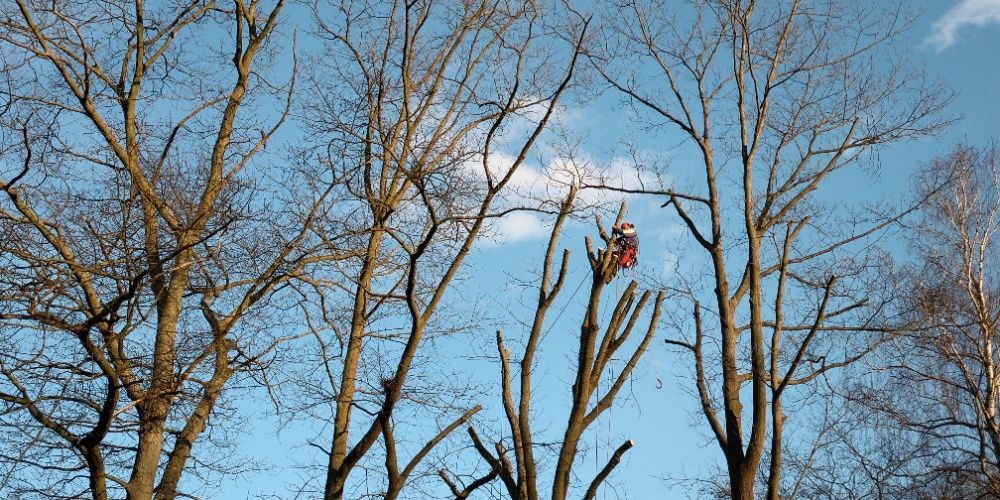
(625,245)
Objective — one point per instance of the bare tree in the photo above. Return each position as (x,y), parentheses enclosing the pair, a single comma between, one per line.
(422,93)
(144,251)
(922,425)
(773,100)
(596,349)
(945,387)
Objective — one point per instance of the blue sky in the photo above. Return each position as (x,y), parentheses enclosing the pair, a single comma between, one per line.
(956,41)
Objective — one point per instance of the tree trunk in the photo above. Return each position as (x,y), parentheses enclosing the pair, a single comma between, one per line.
(774,473)
(742,482)
(567,453)
(336,477)
(152,421)
(98,478)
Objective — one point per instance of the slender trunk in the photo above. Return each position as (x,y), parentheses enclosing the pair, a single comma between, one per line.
(582,390)
(733,407)
(742,488)
(567,453)
(395,479)
(153,411)
(167,488)
(152,421)
(98,478)
(774,473)
(195,425)
(336,477)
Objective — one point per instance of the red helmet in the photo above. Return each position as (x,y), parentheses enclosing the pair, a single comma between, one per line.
(627,225)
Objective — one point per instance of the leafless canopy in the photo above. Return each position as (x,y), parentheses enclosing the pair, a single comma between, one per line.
(406,110)
(771,98)
(943,379)
(596,349)
(145,243)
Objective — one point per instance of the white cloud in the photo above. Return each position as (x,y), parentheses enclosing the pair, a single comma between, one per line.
(544,185)
(519,226)
(531,185)
(965,13)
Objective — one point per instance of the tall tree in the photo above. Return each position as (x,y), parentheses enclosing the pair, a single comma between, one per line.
(945,389)
(140,274)
(772,99)
(410,109)
(596,349)
(923,425)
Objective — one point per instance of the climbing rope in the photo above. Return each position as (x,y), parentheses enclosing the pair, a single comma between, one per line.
(563,308)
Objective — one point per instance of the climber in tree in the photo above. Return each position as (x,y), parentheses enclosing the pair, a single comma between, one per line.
(625,246)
